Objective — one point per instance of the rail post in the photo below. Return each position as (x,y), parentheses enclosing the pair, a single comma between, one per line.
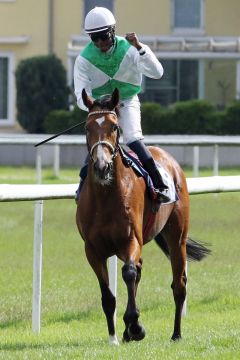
(56,160)
(113,279)
(37,267)
(37,252)
(215,161)
(196,161)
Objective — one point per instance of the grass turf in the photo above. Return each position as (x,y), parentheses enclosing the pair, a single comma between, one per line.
(73,325)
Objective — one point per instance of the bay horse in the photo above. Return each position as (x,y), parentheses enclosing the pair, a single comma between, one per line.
(114,211)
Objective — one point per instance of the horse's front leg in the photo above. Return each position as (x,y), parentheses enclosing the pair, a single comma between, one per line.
(131,275)
(108,299)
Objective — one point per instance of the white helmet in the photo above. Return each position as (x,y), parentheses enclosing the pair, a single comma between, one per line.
(98,19)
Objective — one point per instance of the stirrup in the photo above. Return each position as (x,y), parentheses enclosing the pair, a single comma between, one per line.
(162,195)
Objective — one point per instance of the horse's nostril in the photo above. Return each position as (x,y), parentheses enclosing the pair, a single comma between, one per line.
(107,167)
(102,169)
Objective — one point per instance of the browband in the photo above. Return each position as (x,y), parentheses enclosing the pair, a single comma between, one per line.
(99,112)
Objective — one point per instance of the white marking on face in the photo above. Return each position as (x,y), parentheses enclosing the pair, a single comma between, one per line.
(100,120)
(100,153)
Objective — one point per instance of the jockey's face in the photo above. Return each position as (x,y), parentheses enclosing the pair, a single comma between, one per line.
(102,40)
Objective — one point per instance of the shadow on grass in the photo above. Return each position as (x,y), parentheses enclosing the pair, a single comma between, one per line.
(209,300)
(51,319)
(20,346)
(10,323)
(68,317)
(34,344)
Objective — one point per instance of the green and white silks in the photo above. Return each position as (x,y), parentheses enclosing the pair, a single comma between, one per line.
(121,67)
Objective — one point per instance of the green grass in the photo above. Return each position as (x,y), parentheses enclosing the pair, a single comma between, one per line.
(73,325)
(26,175)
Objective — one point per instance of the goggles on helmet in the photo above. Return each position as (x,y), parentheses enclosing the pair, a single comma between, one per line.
(101,36)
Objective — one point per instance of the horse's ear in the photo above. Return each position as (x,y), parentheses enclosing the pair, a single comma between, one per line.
(88,102)
(115,98)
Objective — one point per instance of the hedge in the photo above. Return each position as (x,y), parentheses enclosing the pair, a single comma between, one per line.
(231,124)
(188,117)
(191,117)
(41,87)
(59,120)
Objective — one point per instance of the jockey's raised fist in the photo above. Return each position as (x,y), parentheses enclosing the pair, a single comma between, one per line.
(133,40)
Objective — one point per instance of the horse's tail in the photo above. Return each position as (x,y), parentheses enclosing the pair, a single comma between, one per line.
(196,251)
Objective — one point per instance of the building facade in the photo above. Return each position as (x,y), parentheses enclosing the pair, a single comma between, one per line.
(197,41)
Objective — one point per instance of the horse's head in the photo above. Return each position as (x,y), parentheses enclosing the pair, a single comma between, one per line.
(102,134)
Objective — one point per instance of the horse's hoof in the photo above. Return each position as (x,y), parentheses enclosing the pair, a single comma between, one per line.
(176,337)
(136,332)
(126,337)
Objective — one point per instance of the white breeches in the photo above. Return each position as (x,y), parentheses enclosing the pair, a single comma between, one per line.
(130,120)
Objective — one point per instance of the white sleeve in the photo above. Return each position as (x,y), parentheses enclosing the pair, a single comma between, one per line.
(81,80)
(148,64)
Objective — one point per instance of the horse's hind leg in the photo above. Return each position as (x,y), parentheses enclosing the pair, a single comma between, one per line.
(133,329)
(178,286)
(176,242)
(108,299)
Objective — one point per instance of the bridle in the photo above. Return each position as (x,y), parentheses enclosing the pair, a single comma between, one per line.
(114,149)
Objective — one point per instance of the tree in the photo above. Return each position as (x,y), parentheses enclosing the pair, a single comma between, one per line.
(41,88)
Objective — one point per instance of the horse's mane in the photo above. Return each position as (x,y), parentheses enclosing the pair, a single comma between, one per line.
(104,102)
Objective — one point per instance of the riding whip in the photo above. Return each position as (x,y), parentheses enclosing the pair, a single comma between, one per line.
(60,133)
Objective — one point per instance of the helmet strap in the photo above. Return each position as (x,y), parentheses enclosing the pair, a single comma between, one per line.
(112,32)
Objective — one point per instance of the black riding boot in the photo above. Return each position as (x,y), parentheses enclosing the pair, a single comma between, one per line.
(149,164)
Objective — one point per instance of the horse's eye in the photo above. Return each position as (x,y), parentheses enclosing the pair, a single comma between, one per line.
(114,127)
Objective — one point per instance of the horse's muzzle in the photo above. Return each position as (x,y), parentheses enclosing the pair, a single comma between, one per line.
(102,169)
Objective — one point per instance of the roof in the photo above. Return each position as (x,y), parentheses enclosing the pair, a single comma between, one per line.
(178,46)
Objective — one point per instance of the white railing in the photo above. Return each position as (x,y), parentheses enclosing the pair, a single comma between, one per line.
(215,184)
(195,141)
(202,185)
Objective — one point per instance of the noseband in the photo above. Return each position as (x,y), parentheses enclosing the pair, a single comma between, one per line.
(114,150)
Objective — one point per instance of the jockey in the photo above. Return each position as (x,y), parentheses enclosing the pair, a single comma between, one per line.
(108,62)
